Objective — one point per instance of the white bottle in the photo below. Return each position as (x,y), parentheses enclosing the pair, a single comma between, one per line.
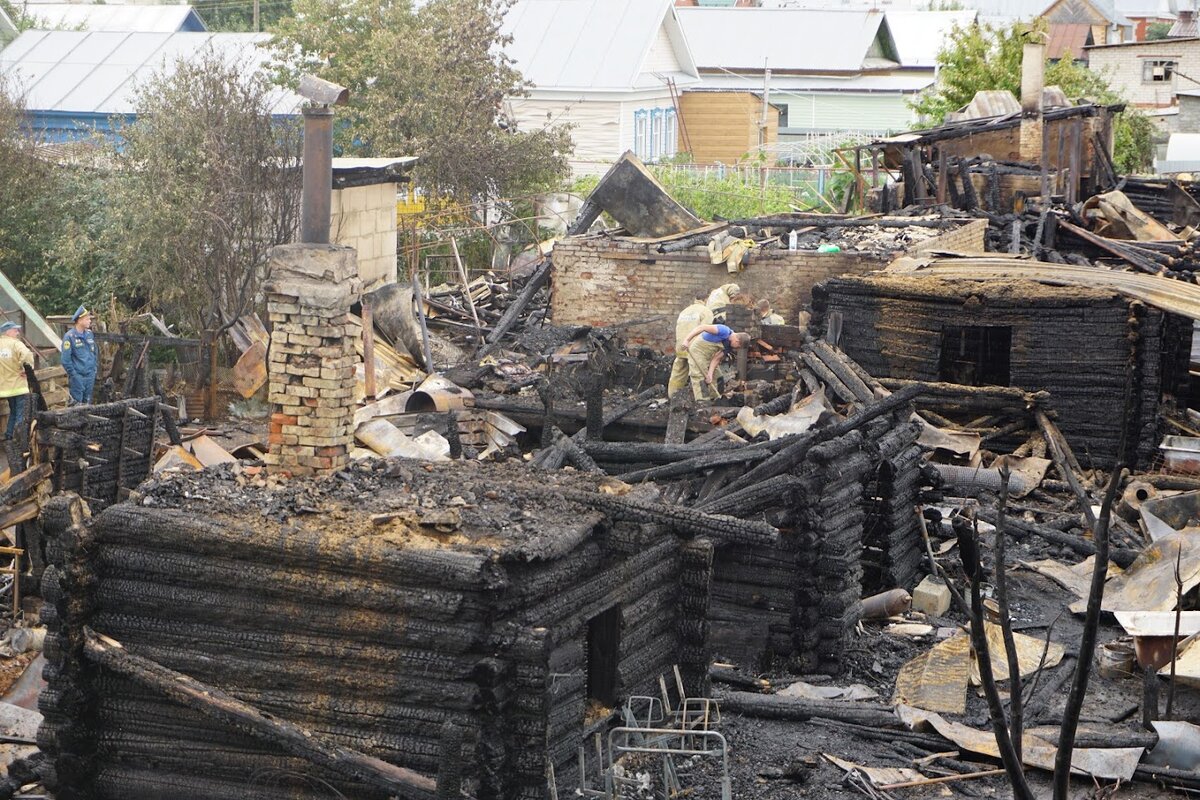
(792,240)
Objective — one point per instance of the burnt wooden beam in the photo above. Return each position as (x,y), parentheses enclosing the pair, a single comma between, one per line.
(25,482)
(770,706)
(539,278)
(685,520)
(795,452)
(245,718)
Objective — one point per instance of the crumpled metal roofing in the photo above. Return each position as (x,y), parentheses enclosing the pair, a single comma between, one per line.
(97,72)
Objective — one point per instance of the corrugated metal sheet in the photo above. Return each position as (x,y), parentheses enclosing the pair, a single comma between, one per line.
(590,45)
(920,35)
(96,73)
(1067,40)
(95,17)
(796,39)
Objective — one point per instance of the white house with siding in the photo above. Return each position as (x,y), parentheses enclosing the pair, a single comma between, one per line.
(612,69)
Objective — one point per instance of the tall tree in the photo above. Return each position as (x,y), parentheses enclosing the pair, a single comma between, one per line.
(989,57)
(207,182)
(430,80)
(24,177)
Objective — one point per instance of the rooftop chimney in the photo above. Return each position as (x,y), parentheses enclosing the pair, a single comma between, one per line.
(1033,65)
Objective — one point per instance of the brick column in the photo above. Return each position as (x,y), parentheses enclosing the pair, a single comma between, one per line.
(312,357)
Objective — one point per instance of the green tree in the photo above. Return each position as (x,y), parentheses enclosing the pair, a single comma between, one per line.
(989,57)
(429,80)
(238,15)
(206,183)
(50,214)
(1157,30)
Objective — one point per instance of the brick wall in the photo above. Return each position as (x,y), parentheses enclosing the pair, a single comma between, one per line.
(364,217)
(311,360)
(598,281)
(1122,68)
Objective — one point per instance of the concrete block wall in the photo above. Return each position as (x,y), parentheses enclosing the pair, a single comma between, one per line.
(598,281)
(364,217)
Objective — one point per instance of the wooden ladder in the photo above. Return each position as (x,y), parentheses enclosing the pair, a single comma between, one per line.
(683,136)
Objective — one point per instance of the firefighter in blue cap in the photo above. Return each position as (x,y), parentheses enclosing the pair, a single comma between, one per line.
(80,357)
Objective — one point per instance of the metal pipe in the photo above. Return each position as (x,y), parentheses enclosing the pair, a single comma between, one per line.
(317,196)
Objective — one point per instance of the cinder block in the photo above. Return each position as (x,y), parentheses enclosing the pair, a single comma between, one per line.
(931,596)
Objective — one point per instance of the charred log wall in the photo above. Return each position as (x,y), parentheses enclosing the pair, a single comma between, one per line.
(893,551)
(100,452)
(371,644)
(800,599)
(1073,343)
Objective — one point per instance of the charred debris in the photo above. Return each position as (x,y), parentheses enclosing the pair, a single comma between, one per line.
(942,531)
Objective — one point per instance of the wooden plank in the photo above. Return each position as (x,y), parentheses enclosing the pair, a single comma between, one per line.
(250,371)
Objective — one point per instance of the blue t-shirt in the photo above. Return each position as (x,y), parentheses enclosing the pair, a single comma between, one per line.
(722,335)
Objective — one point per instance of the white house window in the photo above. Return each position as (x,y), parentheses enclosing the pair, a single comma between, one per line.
(670,134)
(654,133)
(641,139)
(1158,71)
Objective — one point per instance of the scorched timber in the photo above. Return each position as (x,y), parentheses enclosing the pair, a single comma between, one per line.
(245,718)
(304,548)
(724,528)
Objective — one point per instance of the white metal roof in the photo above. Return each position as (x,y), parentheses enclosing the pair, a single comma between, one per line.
(596,45)
(98,71)
(788,39)
(919,35)
(1162,9)
(95,17)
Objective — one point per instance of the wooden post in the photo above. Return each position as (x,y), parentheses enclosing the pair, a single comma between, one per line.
(210,399)
(368,323)
(462,274)
(942,177)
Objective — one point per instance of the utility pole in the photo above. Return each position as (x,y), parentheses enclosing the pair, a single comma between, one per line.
(766,107)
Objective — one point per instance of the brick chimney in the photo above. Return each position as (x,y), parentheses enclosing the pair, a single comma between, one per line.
(1033,65)
(312,357)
